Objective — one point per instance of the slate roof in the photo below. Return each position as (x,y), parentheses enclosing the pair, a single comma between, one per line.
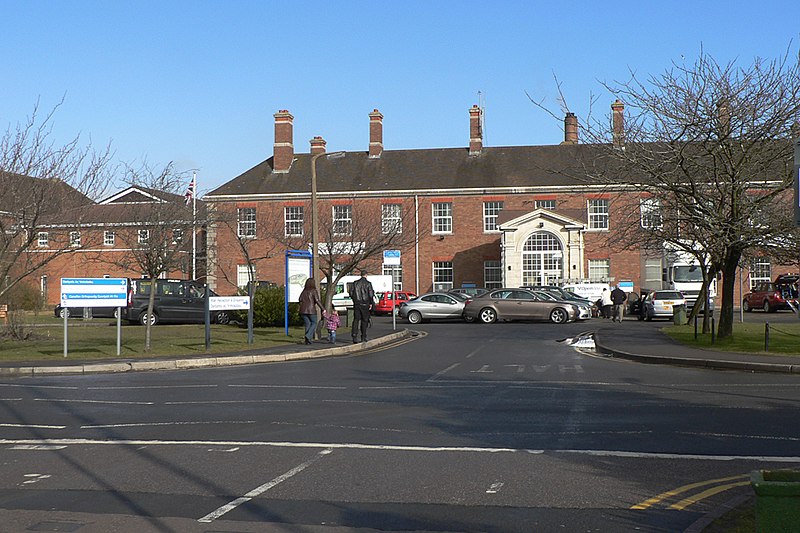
(420,170)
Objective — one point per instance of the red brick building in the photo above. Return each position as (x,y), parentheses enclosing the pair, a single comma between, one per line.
(482,216)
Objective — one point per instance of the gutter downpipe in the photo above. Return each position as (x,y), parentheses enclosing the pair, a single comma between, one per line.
(416,243)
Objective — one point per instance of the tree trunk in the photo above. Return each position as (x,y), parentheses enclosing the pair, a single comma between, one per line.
(729,267)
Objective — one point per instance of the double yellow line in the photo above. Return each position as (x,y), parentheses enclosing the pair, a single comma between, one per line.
(686,502)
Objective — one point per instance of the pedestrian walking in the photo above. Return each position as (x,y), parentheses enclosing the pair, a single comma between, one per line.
(606,303)
(332,322)
(618,297)
(363,296)
(309,301)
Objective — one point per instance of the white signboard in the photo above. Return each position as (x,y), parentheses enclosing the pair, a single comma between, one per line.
(226,303)
(391,257)
(94,292)
(297,272)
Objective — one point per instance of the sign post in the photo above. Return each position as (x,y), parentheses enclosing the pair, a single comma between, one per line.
(392,258)
(94,292)
(298,270)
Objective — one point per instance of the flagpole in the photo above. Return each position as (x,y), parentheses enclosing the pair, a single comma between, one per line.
(194,225)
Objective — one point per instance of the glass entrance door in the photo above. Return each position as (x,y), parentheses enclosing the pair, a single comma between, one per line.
(542,260)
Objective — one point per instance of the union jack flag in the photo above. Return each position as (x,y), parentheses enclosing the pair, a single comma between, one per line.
(190,192)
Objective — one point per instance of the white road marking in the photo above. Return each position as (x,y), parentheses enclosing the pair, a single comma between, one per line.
(210,517)
(10,399)
(145,387)
(42,447)
(34,478)
(34,426)
(206,402)
(64,400)
(141,424)
(31,386)
(229,450)
(288,387)
(443,372)
(495,487)
(394,447)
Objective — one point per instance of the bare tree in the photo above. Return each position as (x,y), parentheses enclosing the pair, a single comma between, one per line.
(40,182)
(158,233)
(713,144)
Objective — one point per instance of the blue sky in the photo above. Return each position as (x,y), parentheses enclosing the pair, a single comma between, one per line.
(198,82)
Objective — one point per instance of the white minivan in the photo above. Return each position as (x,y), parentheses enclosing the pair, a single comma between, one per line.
(341,297)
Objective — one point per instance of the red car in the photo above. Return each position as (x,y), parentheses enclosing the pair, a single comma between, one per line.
(386,304)
(772,296)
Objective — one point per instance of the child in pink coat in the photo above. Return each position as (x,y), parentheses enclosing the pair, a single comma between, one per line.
(332,322)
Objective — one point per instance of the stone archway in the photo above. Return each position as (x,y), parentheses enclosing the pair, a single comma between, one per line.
(542,259)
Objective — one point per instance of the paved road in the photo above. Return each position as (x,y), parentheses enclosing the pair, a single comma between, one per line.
(467,427)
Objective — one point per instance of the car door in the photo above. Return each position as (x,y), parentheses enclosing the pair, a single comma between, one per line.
(169,296)
(451,307)
(194,302)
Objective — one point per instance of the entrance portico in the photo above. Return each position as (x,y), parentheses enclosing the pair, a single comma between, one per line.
(540,247)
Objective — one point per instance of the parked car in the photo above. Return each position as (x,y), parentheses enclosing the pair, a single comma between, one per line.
(469,291)
(518,304)
(433,305)
(660,304)
(386,303)
(568,296)
(584,306)
(85,312)
(176,301)
(772,296)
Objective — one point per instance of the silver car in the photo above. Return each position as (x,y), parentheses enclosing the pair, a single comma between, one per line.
(518,304)
(433,305)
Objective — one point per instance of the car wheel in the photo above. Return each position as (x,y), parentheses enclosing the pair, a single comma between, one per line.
(223,318)
(746,306)
(415,317)
(640,316)
(488,315)
(64,313)
(469,319)
(558,316)
(767,308)
(648,317)
(143,319)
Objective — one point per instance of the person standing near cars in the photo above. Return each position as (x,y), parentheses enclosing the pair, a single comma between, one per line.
(605,303)
(363,296)
(618,298)
(309,301)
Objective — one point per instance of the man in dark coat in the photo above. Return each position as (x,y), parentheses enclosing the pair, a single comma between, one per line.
(618,298)
(363,296)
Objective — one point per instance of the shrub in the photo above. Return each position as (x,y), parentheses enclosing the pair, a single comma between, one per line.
(268,309)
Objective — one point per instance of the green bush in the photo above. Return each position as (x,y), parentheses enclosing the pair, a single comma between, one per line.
(23,296)
(268,309)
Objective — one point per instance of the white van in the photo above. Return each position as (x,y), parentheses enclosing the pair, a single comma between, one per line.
(341,298)
(590,291)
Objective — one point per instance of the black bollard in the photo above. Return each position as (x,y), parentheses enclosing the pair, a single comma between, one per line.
(766,336)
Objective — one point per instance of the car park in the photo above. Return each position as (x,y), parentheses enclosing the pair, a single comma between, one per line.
(660,304)
(387,301)
(773,295)
(431,306)
(176,301)
(518,304)
(469,291)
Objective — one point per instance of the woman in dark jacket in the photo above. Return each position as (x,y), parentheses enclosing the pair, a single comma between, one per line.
(309,301)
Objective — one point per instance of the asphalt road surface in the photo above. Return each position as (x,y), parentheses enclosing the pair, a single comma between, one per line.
(466,427)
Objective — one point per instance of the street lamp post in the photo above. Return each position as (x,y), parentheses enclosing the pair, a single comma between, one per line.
(315,215)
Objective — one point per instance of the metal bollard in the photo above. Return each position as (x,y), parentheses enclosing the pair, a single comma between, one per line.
(713,330)
(766,336)
(695,327)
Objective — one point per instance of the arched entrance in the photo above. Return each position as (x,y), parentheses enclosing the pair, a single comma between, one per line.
(542,260)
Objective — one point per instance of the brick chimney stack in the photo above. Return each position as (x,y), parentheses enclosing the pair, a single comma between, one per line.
(283,151)
(375,134)
(318,145)
(475,131)
(570,129)
(618,123)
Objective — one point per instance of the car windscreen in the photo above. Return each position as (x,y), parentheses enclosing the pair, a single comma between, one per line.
(668,295)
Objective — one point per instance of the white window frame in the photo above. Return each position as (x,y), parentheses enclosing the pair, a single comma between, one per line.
(599,270)
(545,204)
(650,213)
(597,210)
(177,235)
(391,219)
(442,218)
(74,238)
(43,239)
(293,220)
(396,271)
(244,273)
(143,236)
(490,211)
(109,238)
(246,222)
(442,276)
(342,217)
(760,271)
(492,274)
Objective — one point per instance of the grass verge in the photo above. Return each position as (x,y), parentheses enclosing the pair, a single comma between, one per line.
(97,339)
(784,338)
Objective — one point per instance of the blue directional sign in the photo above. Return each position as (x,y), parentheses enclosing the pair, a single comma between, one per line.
(94,292)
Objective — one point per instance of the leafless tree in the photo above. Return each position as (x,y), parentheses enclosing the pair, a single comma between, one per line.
(41,181)
(157,233)
(712,143)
